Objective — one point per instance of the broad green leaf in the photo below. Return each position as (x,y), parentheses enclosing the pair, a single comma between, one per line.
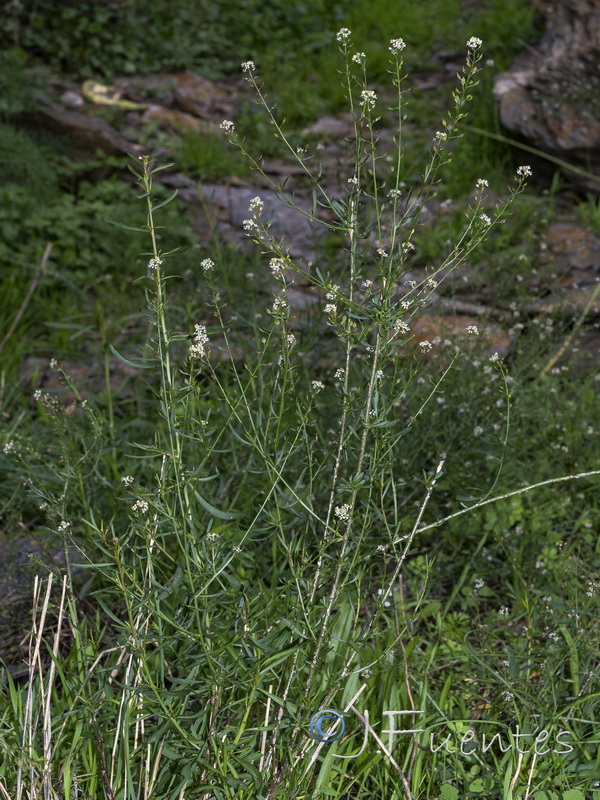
(448,792)
(215,511)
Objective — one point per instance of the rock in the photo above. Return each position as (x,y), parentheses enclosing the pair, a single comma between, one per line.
(441,330)
(570,245)
(72,99)
(92,132)
(340,126)
(178,120)
(204,98)
(551,96)
(228,207)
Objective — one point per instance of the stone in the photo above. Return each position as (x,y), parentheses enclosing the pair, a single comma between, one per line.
(228,207)
(570,245)
(178,120)
(91,132)
(551,95)
(204,98)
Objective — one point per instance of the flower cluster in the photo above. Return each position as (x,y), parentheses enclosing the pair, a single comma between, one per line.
(524,172)
(140,507)
(359,58)
(256,206)
(482,183)
(317,386)
(396,46)
(127,480)
(9,447)
(425,346)
(485,219)
(248,66)
(343,512)
(474,43)
(343,35)
(154,262)
(207,264)
(368,98)
(249,225)
(277,265)
(472,330)
(200,339)
(227,126)
(401,326)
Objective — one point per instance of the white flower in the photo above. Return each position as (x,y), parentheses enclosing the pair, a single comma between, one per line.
(249,225)
(431,283)
(396,46)
(368,98)
(482,183)
(64,526)
(227,126)
(37,395)
(485,219)
(440,136)
(279,305)
(359,58)
(425,346)
(248,66)
(207,264)
(140,507)
(317,386)
(291,340)
(154,262)
(381,253)
(503,611)
(495,357)
(127,480)
(343,512)
(339,374)
(257,205)
(367,284)
(332,292)
(477,430)
(524,172)
(394,193)
(53,363)
(401,326)
(474,43)
(343,35)
(330,308)
(9,447)
(472,330)
(353,181)
(407,247)
(212,537)
(200,339)
(277,264)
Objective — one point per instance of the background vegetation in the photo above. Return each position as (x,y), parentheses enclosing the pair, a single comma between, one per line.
(167,666)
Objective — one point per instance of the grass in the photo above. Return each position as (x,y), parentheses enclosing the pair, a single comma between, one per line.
(289,515)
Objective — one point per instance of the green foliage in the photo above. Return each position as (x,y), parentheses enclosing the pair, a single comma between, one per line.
(252,540)
(207,157)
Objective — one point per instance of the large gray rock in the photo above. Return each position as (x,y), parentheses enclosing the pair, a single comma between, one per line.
(551,96)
